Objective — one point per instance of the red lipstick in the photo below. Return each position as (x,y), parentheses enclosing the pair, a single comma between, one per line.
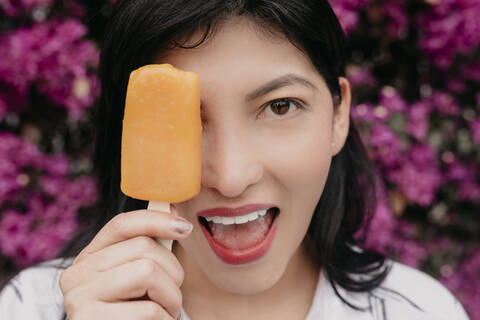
(244,255)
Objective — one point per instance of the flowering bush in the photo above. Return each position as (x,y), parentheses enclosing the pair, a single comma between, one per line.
(39,203)
(415,71)
(417,105)
(47,83)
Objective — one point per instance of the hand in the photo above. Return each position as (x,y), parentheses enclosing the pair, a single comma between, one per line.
(124,273)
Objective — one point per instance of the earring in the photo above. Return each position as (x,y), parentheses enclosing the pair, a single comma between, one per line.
(333,144)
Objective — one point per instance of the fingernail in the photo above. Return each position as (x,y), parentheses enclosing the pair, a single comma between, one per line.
(181,226)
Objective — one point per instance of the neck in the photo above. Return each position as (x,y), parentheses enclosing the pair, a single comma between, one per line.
(202,299)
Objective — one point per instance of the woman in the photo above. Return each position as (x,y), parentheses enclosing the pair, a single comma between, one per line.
(277,145)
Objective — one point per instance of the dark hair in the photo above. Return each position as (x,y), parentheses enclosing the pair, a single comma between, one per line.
(140,29)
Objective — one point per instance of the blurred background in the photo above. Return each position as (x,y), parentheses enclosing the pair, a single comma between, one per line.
(414,66)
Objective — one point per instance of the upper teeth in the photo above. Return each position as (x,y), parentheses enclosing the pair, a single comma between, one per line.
(238,219)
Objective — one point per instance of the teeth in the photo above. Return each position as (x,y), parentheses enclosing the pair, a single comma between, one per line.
(238,219)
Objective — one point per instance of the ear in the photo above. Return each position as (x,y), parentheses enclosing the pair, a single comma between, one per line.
(341,117)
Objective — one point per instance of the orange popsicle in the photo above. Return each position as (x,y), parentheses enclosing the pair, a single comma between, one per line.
(161,139)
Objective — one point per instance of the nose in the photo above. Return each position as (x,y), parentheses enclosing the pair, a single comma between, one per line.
(230,162)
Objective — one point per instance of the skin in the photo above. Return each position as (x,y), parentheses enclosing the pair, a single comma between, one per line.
(252,153)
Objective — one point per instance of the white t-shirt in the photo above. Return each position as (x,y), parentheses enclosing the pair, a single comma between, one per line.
(34,294)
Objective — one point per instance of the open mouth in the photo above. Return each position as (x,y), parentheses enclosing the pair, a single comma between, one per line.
(240,232)
(243,238)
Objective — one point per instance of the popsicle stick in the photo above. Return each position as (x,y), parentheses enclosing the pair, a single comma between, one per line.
(164,207)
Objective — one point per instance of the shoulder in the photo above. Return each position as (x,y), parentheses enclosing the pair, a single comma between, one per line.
(34,293)
(406,289)
(406,293)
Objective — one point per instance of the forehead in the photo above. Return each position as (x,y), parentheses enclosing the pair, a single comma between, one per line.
(241,48)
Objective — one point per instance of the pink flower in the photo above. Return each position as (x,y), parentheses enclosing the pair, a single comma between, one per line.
(419,183)
(392,101)
(469,190)
(471,71)
(385,144)
(381,228)
(346,11)
(457,171)
(448,29)
(397,18)
(363,112)
(14,233)
(475,130)
(14,7)
(360,76)
(465,283)
(52,57)
(418,119)
(38,183)
(57,165)
(348,17)
(412,253)
(445,103)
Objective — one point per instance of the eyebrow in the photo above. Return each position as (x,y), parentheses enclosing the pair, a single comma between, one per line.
(283,81)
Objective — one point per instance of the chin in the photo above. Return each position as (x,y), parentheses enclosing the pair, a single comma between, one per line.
(248,282)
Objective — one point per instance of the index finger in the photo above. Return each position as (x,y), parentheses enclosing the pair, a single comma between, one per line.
(127,225)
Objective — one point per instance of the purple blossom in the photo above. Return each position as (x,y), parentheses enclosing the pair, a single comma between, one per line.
(383,224)
(360,76)
(412,253)
(475,130)
(419,183)
(52,56)
(40,182)
(392,101)
(346,11)
(422,155)
(397,18)
(456,85)
(418,119)
(15,156)
(348,17)
(57,165)
(363,112)
(469,190)
(20,58)
(391,236)
(79,192)
(464,281)
(445,103)
(457,171)
(451,27)
(52,185)
(11,98)
(15,7)
(381,228)
(385,145)
(471,71)
(15,230)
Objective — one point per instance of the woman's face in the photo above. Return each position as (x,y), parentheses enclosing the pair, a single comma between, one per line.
(268,127)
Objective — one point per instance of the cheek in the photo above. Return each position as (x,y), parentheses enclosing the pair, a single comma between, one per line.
(300,158)
(300,166)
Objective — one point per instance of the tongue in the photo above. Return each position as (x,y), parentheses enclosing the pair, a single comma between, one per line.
(241,236)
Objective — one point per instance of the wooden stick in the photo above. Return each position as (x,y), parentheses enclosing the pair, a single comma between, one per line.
(163,207)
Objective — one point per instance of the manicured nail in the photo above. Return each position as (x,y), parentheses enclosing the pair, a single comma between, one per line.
(181,226)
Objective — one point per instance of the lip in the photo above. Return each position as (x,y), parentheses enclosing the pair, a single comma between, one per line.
(233,212)
(241,256)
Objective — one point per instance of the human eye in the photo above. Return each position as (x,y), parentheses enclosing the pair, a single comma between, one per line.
(281,108)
